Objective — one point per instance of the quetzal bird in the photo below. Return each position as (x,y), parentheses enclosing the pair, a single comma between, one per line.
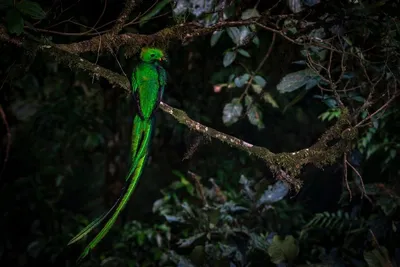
(148,81)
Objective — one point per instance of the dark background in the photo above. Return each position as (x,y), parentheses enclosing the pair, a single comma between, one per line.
(57,175)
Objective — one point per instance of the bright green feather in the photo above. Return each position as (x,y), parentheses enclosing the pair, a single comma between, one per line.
(148,82)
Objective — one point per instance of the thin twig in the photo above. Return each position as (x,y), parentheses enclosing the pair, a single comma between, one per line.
(254,74)
(345,176)
(359,176)
(363,192)
(384,106)
(93,28)
(262,62)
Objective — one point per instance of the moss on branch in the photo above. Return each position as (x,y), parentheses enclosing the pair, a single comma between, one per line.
(320,154)
(133,42)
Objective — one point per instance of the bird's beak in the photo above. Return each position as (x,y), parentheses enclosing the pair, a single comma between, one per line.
(164,60)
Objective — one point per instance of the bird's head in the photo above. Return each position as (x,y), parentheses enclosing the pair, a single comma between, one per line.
(152,55)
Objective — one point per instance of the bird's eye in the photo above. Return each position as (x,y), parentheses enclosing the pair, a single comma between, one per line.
(152,55)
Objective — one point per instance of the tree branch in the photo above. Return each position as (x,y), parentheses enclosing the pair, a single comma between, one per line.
(129,6)
(134,42)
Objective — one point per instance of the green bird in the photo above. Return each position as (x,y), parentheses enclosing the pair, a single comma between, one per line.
(149,79)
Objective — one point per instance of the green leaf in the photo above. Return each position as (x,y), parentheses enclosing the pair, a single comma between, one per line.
(215,37)
(250,13)
(258,242)
(232,111)
(330,114)
(243,52)
(158,205)
(283,250)
(247,186)
(229,57)
(255,116)
(318,33)
(234,33)
(259,80)
(15,22)
(153,12)
(269,99)
(347,40)
(256,41)
(274,193)
(240,81)
(188,210)
(330,102)
(174,219)
(292,30)
(244,34)
(184,243)
(312,83)
(31,9)
(256,88)
(295,80)
(209,20)
(179,260)
(248,100)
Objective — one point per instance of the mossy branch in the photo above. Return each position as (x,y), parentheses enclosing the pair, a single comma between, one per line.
(129,6)
(133,41)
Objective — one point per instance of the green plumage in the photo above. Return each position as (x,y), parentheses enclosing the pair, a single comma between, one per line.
(148,82)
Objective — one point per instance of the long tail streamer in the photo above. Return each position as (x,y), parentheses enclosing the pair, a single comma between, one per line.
(141,134)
